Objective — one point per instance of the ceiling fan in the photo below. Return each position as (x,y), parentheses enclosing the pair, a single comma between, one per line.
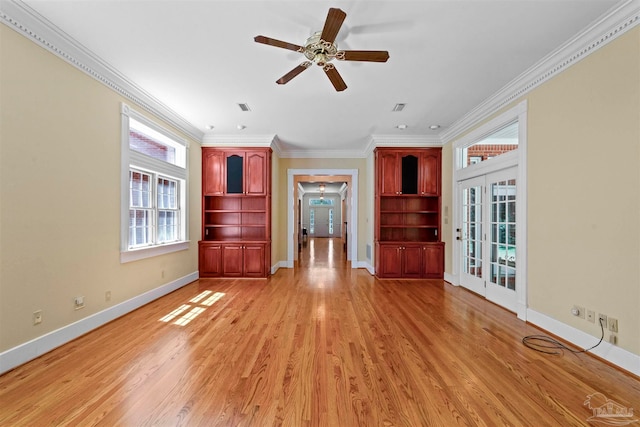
(321,49)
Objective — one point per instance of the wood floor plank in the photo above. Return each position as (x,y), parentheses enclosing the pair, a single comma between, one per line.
(318,345)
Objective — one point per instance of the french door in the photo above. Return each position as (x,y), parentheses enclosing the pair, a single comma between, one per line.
(487,236)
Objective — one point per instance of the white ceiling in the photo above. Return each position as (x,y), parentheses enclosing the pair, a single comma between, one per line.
(199,59)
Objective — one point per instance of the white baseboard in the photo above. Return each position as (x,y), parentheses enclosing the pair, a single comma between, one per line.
(278,265)
(450,278)
(23,353)
(607,351)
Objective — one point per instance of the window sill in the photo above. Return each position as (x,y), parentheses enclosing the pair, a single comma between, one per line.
(142,253)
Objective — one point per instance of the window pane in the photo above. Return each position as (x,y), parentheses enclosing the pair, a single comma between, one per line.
(167,194)
(139,190)
(499,142)
(152,143)
(167,226)
(139,227)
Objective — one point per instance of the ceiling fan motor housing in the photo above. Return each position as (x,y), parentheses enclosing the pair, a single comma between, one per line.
(318,50)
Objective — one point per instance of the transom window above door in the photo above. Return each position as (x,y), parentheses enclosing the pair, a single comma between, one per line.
(493,145)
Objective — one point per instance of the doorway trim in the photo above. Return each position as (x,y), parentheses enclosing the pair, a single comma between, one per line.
(352,227)
(514,158)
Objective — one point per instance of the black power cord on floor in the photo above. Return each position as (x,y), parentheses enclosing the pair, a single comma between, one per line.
(545,344)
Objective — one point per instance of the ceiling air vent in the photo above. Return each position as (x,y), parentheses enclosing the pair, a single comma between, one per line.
(398,107)
(244,107)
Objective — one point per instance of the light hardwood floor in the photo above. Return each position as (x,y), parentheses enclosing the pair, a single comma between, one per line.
(319,345)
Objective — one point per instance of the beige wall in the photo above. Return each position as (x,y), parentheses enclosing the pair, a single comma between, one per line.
(60,192)
(584,190)
(363,196)
(278,208)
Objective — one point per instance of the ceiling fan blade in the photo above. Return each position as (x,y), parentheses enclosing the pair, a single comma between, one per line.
(291,74)
(334,76)
(277,43)
(363,55)
(332,25)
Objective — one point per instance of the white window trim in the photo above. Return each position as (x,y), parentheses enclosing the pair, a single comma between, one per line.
(159,167)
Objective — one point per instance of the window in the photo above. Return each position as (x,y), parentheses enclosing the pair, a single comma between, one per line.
(312,221)
(321,202)
(154,203)
(499,142)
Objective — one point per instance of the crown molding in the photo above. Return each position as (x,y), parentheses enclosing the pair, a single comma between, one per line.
(213,140)
(26,21)
(617,21)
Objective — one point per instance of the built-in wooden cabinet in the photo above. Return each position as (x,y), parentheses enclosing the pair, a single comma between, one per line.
(236,212)
(407,217)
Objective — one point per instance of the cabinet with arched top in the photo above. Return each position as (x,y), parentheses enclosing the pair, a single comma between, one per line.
(236,212)
(407,213)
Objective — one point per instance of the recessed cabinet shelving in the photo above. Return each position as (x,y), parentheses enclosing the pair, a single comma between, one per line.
(236,213)
(407,220)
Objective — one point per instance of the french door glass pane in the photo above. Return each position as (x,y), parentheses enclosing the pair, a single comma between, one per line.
(503,234)
(472,231)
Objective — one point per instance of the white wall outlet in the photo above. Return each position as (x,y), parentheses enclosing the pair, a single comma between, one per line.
(37,317)
(602,320)
(78,303)
(591,316)
(578,311)
(107,296)
(613,324)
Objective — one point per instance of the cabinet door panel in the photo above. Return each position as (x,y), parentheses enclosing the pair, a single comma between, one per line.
(433,261)
(412,261)
(213,172)
(232,260)
(254,260)
(210,260)
(256,173)
(409,165)
(430,173)
(388,174)
(235,173)
(390,261)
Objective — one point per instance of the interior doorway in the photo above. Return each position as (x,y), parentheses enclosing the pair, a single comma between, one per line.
(350,208)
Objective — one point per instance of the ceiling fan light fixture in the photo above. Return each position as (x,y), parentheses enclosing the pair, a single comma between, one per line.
(318,50)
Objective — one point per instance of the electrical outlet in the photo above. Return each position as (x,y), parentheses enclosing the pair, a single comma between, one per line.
(613,324)
(591,316)
(602,320)
(613,339)
(578,311)
(107,296)
(37,317)
(78,303)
